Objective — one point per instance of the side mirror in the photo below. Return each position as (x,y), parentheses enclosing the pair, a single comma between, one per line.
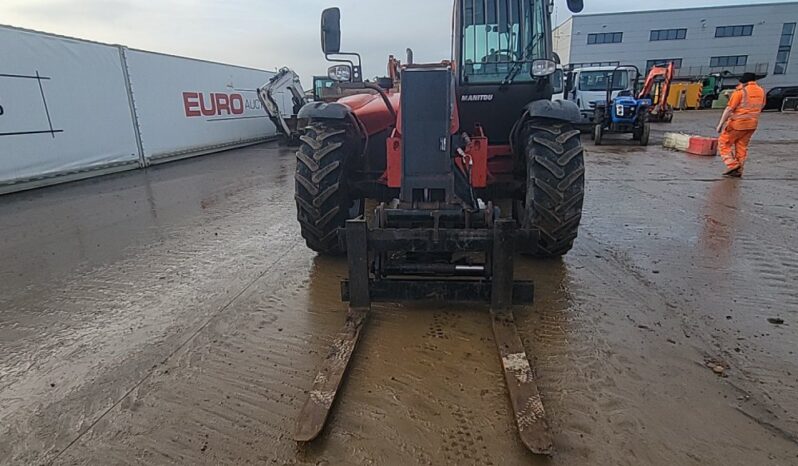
(331,31)
(575,5)
(541,68)
(557,82)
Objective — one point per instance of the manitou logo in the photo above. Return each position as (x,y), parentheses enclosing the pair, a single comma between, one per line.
(213,104)
(477,97)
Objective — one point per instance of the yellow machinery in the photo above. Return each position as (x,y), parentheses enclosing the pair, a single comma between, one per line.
(692,95)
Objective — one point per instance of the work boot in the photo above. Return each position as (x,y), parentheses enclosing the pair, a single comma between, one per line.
(735,172)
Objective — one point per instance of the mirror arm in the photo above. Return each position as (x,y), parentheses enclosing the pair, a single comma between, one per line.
(339,60)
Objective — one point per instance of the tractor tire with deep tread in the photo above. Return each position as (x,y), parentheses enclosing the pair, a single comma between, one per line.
(322,194)
(555,183)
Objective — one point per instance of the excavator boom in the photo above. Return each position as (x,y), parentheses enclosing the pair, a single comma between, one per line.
(272,92)
(660,77)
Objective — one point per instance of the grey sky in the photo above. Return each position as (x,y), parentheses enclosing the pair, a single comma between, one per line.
(272,33)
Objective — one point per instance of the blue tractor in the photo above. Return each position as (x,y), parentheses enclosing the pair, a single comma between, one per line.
(625,114)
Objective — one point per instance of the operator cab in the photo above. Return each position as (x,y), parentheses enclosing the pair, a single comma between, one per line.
(504,48)
(501,39)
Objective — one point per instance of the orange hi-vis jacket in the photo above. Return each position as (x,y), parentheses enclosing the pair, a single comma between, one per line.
(747,103)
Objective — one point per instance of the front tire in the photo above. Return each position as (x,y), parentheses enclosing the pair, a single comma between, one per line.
(323,199)
(645,133)
(555,185)
(598,133)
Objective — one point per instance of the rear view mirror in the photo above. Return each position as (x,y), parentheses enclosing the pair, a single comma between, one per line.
(557,82)
(575,5)
(331,31)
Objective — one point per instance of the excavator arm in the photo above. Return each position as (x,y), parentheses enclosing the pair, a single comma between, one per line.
(662,76)
(285,80)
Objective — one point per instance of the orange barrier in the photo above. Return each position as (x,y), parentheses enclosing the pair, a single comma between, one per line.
(702,146)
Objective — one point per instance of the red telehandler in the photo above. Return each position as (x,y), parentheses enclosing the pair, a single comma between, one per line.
(431,192)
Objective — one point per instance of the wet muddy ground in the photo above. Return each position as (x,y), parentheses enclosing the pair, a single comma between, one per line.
(175,316)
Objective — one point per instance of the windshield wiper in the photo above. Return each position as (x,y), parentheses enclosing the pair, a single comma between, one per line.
(517,65)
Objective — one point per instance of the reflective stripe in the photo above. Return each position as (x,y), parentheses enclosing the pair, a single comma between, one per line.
(746,104)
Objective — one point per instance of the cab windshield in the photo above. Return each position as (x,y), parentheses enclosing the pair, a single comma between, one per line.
(501,38)
(598,80)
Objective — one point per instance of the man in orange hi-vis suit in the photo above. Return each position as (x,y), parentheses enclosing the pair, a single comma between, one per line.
(742,116)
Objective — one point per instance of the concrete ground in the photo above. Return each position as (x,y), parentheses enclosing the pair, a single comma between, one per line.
(174,315)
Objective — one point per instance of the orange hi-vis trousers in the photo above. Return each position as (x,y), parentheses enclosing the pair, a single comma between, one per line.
(738,140)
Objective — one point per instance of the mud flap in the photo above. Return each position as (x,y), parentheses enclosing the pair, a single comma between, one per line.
(328,379)
(524,396)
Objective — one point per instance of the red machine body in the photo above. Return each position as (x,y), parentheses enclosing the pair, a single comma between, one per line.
(486,163)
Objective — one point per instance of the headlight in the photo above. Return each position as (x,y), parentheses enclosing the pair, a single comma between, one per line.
(619,110)
(543,68)
(340,73)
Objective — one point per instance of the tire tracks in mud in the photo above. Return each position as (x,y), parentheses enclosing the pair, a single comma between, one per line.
(176,350)
(772,261)
(618,383)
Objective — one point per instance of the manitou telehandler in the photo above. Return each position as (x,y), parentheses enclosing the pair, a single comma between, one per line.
(431,194)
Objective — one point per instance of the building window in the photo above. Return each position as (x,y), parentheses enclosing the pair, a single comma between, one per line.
(669,34)
(785,45)
(730,60)
(594,64)
(677,63)
(734,31)
(605,38)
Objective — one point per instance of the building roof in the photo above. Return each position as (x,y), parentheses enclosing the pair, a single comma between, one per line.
(711,7)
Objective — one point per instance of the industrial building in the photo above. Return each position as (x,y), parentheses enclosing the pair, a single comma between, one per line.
(699,41)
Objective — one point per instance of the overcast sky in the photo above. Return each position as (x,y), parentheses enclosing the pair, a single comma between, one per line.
(272,33)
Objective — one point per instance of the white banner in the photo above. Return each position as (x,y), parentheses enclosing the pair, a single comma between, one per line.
(63,107)
(187,107)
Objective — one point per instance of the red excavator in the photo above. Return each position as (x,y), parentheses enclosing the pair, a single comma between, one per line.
(657,87)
